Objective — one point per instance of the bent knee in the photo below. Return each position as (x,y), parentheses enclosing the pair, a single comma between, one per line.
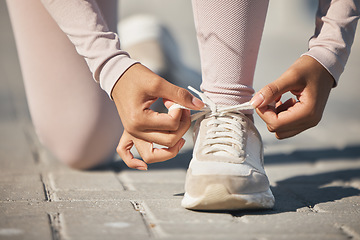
(79,152)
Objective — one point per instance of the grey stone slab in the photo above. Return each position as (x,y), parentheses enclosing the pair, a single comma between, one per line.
(21,187)
(159,176)
(73,195)
(256,224)
(279,172)
(167,190)
(169,211)
(72,220)
(313,194)
(84,181)
(349,206)
(352,229)
(293,223)
(18,221)
(72,185)
(100,220)
(339,164)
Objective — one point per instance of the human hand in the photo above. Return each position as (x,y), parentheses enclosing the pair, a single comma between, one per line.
(310,82)
(136,90)
(146,149)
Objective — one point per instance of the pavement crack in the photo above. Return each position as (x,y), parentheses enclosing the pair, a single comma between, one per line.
(153,229)
(57,230)
(125,182)
(48,190)
(348,232)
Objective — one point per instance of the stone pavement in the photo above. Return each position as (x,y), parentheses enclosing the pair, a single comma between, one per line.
(315,177)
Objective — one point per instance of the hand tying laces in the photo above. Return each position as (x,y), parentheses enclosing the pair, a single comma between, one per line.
(226,126)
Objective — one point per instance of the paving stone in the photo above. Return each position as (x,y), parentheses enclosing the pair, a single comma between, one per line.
(279,172)
(158,176)
(338,165)
(101,220)
(18,221)
(21,187)
(164,189)
(170,211)
(84,181)
(349,206)
(255,224)
(83,185)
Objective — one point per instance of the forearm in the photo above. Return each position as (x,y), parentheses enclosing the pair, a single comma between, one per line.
(336,23)
(82,22)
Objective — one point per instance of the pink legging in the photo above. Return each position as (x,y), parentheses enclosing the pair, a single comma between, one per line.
(75,119)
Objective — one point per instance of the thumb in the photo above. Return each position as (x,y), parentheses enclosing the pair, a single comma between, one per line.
(268,94)
(180,95)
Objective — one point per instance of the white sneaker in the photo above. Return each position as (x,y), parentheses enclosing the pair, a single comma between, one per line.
(227,168)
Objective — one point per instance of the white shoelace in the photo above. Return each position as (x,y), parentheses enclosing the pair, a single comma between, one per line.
(225,133)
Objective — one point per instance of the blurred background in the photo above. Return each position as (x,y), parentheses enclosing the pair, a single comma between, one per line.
(288,27)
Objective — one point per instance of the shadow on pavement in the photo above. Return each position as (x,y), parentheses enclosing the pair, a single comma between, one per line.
(325,154)
(306,191)
(182,161)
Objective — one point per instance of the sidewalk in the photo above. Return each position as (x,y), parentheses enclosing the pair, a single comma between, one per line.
(315,177)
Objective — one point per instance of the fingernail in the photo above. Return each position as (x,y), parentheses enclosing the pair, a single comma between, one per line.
(197,102)
(257,100)
(182,144)
(142,168)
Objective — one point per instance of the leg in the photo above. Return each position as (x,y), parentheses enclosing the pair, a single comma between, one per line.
(227,168)
(229,38)
(72,116)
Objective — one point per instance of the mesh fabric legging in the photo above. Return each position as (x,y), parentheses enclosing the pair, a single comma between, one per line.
(75,119)
(229,34)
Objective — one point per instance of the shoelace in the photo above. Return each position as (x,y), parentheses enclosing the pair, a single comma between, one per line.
(225,129)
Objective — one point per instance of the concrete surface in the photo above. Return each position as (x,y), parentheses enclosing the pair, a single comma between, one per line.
(315,176)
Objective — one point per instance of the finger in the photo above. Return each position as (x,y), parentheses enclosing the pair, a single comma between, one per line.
(167,138)
(163,121)
(288,134)
(268,94)
(160,121)
(286,105)
(124,152)
(179,95)
(152,155)
(168,103)
(295,117)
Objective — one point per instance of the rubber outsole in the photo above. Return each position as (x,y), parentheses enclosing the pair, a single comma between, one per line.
(217,197)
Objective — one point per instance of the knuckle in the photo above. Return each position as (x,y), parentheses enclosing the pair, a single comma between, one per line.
(271,89)
(135,123)
(131,129)
(183,94)
(170,141)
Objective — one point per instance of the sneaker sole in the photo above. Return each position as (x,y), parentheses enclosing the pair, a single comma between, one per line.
(217,197)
